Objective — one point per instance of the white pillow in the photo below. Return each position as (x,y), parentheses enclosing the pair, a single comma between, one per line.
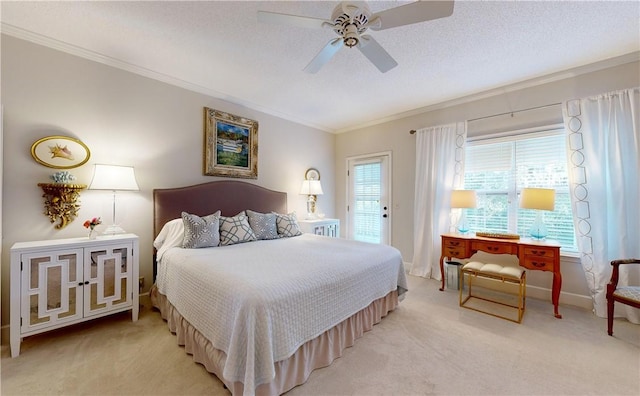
(171,235)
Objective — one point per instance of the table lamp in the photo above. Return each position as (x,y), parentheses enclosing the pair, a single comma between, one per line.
(462,199)
(311,188)
(539,199)
(114,178)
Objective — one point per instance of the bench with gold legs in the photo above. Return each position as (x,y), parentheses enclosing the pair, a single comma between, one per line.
(505,274)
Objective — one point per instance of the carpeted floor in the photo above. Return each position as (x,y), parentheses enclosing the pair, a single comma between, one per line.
(428,346)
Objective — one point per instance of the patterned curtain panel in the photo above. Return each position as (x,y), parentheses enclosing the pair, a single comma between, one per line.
(603,141)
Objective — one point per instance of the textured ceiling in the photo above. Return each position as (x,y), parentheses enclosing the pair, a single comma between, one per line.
(219,48)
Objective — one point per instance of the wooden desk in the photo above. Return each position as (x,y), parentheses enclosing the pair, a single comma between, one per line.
(532,255)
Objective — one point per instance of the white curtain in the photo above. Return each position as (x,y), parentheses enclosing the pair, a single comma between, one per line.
(604,144)
(439,168)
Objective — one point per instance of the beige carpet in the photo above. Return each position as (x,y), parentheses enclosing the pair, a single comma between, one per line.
(428,346)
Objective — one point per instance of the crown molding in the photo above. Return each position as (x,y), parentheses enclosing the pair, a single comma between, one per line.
(529,83)
(68,48)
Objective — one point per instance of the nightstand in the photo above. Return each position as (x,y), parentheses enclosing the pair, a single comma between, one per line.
(326,227)
(56,283)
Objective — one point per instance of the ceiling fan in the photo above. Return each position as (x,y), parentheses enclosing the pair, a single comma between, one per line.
(351,19)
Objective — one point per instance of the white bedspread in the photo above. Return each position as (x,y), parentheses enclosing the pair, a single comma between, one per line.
(259,301)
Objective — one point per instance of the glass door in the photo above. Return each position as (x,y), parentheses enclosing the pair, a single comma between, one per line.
(369,198)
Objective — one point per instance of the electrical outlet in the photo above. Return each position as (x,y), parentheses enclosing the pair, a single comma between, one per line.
(141,283)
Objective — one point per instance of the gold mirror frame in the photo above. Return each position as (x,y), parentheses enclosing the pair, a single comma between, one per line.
(312,174)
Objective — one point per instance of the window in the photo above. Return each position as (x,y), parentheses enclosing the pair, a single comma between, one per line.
(498,168)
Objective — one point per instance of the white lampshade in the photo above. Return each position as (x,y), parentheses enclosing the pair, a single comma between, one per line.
(113,177)
(463,199)
(537,198)
(311,187)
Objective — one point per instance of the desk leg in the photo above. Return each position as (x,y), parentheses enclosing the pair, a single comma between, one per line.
(555,293)
(442,272)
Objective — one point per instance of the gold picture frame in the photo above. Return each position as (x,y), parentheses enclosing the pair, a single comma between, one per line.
(230,145)
(60,152)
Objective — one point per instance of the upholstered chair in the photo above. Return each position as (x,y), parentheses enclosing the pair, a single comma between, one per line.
(629,295)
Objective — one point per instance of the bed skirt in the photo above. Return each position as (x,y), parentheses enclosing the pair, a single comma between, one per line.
(316,353)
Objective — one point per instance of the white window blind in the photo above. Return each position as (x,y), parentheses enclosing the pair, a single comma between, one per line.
(498,169)
(367,210)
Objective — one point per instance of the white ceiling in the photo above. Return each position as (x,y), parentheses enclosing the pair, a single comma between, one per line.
(219,48)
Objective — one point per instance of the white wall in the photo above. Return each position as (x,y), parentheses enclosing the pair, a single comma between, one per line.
(126,119)
(394,136)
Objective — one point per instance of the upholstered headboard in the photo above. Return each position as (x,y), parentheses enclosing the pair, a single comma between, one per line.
(228,196)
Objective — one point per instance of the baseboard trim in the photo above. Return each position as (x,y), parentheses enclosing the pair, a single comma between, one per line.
(577,300)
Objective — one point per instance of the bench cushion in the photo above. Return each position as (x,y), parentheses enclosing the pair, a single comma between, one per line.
(494,269)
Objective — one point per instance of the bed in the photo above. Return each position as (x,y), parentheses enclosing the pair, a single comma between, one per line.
(262,315)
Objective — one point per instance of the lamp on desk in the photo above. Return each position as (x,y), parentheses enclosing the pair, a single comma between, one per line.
(463,199)
(539,199)
(114,178)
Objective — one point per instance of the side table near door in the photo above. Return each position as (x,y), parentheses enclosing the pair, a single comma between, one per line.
(326,227)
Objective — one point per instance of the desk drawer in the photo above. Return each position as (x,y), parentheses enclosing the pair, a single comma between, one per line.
(539,251)
(539,263)
(458,252)
(455,248)
(494,247)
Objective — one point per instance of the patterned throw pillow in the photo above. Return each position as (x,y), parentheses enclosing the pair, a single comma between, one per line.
(200,232)
(263,224)
(235,229)
(287,225)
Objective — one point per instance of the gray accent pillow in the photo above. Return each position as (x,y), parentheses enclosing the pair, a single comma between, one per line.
(263,224)
(287,225)
(201,232)
(235,229)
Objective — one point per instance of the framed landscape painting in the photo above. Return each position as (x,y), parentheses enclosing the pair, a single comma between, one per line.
(230,145)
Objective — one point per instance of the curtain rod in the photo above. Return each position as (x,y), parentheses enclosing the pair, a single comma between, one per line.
(413,131)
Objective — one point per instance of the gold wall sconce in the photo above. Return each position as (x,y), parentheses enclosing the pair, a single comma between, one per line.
(61,202)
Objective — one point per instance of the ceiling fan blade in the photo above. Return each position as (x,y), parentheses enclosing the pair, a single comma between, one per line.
(324,55)
(420,11)
(376,54)
(294,20)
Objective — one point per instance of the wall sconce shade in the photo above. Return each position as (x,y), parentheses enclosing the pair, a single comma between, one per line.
(463,199)
(538,199)
(114,178)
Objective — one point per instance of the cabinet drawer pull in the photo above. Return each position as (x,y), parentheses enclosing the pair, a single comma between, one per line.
(454,243)
(539,252)
(538,265)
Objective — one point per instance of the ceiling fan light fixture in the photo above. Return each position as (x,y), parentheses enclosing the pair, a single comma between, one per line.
(350,36)
(350,20)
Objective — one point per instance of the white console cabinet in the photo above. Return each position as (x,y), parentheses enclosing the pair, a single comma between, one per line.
(57,283)
(326,227)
